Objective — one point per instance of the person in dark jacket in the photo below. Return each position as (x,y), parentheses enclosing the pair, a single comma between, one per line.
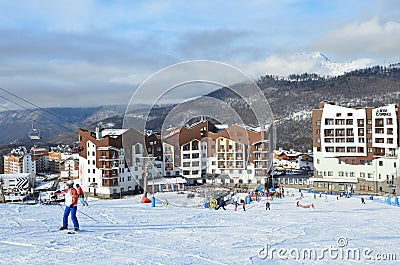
(267,206)
(221,204)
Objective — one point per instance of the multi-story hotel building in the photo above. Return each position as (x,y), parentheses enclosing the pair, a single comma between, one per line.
(19,161)
(237,154)
(103,170)
(356,149)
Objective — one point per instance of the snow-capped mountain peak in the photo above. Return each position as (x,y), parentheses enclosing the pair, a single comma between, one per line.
(310,62)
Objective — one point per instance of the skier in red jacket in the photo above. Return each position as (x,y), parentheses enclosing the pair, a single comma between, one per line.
(71,206)
(81,195)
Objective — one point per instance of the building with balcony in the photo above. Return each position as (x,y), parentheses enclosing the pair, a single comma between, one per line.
(19,160)
(103,170)
(356,149)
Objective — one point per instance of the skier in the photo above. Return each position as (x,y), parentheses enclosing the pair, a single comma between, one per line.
(81,195)
(71,201)
(244,205)
(235,203)
(267,206)
(362,200)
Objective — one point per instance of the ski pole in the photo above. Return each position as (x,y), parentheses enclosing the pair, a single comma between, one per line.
(88,216)
(81,213)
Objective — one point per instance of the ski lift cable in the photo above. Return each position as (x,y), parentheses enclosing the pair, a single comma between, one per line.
(51,127)
(33,104)
(35,112)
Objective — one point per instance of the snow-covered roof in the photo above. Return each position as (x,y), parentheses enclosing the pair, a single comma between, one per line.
(161,181)
(112,132)
(16,175)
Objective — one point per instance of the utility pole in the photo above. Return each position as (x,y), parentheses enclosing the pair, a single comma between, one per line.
(148,165)
(2,198)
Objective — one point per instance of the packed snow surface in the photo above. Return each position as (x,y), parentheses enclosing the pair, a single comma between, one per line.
(125,231)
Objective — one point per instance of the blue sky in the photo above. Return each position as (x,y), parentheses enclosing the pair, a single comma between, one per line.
(90,53)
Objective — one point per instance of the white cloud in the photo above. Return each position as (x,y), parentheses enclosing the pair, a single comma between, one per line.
(371,37)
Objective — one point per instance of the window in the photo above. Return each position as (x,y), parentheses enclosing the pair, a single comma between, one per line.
(328,121)
(339,122)
(370,188)
(390,131)
(369,131)
(369,175)
(94,171)
(360,122)
(380,163)
(349,132)
(341,173)
(378,122)
(186,164)
(362,162)
(349,122)
(195,155)
(318,123)
(369,121)
(329,149)
(389,121)
(362,175)
(186,172)
(362,187)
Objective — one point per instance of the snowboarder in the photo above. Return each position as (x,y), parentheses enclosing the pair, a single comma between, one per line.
(81,195)
(362,200)
(71,206)
(267,206)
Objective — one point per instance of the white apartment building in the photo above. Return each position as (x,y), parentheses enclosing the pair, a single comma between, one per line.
(356,149)
(102,168)
(19,161)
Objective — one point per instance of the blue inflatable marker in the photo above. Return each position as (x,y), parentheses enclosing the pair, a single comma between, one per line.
(388,200)
(309,190)
(248,200)
(153,202)
(396,201)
